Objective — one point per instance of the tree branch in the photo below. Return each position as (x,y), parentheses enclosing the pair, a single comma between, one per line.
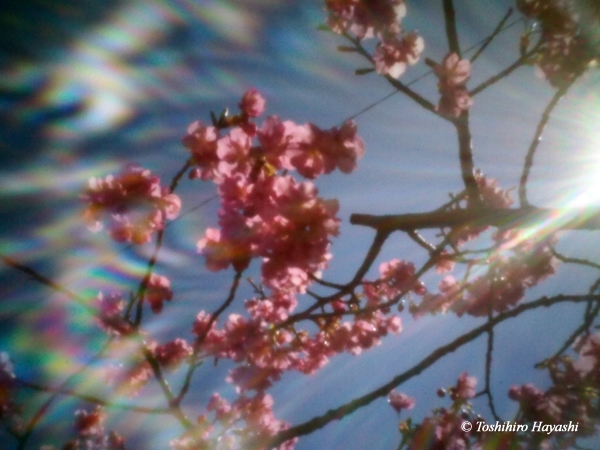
(451,34)
(465,156)
(491,37)
(192,365)
(536,141)
(352,406)
(524,217)
(504,73)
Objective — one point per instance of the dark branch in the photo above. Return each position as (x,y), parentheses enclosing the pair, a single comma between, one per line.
(350,407)
(536,142)
(524,217)
(192,360)
(491,37)
(504,73)
(451,34)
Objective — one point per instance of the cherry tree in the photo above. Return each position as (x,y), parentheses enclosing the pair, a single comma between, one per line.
(488,247)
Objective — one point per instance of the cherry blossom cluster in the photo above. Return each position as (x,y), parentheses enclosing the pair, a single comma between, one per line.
(229,426)
(567,42)
(574,394)
(397,279)
(400,401)
(491,196)
(137,372)
(109,314)
(264,350)
(265,214)
(91,433)
(396,49)
(453,74)
(442,430)
(110,307)
(502,286)
(133,201)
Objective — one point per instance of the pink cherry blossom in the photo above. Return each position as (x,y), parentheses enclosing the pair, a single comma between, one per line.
(252,104)
(365,18)
(393,55)
(157,291)
(453,73)
(400,401)
(202,143)
(135,202)
(109,317)
(171,354)
(465,387)
(89,423)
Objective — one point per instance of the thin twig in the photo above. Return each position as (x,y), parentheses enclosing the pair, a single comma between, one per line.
(451,33)
(537,137)
(569,260)
(192,365)
(491,37)
(504,73)
(488,370)
(47,281)
(376,245)
(141,292)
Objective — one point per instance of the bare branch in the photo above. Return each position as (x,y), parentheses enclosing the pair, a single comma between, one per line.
(491,37)
(451,34)
(504,73)
(524,217)
(537,137)
(192,365)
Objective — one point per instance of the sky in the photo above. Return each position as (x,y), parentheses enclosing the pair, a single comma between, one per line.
(87,87)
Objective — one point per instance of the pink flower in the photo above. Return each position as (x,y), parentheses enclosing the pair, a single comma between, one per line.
(400,401)
(365,18)
(233,151)
(90,423)
(275,138)
(465,387)
(393,55)
(202,143)
(252,104)
(453,73)
(317,151)
(157,291)
(109,317)
(134,201)
(171,354)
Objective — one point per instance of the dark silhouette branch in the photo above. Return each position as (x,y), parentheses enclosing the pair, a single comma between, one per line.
(192,364)
(524,217)
(504,73)
(537,137)
(491,37)
(451,33)
(465,156)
